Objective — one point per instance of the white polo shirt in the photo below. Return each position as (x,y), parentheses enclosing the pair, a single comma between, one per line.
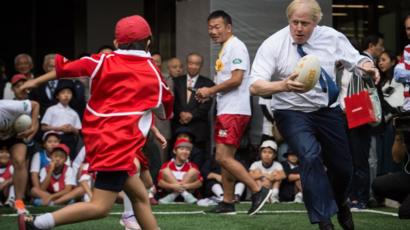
(277,57)
(58,115)
(276,166)
(234,56)
(9,111)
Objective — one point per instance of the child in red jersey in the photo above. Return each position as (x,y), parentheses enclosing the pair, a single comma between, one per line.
(179,176)
(6,177)
(125,88)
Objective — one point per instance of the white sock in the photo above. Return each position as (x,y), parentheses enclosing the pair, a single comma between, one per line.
(45,221)
(217,190)
(239,188)
(128,211)
(151,192)
(184,193)
(275,192)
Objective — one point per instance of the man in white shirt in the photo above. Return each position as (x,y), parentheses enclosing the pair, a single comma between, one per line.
(233,111)
(311,121)
(15,142)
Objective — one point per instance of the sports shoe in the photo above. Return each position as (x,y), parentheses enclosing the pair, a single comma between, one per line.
(210,201)
(189,198)
(168,199)
(129,222)
(259,199)
(223,208)
(153,201)
(20,207)
(298,198)
(344,217)
(27,222)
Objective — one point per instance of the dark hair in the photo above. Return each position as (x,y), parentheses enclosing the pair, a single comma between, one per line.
(371,39)
(388,75)
(137,45)
(103,47)
(221,14)
(155,53)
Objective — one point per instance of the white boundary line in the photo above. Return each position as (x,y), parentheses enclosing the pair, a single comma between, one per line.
(241,212)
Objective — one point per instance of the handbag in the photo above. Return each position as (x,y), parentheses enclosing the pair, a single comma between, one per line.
(362,103)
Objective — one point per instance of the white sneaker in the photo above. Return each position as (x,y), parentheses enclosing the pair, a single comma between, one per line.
(298,198)
(168,199)
(274,199)
(189,198)
(129,222)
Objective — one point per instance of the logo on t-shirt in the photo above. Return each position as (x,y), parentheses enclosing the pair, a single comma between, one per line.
(223,133)
(25,106)
(237,61)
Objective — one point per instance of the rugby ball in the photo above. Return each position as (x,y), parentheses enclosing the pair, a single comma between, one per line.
(22,123)
(308,69)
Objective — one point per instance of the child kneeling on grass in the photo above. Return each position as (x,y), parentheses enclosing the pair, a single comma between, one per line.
(179,176)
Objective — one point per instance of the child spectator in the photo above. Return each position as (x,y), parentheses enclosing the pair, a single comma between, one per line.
(56,179)
(6,178)
(42,159)
(16,81)
(268,172)
(291,186)
(179,176)
(213,183)
(61,117)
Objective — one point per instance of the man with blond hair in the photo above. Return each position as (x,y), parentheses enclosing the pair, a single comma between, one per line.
(311,121)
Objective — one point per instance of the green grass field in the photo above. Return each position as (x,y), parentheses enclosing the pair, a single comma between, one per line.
(187,217)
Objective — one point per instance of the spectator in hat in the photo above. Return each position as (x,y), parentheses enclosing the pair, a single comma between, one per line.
(61,117)
(291,187)
(179,176)
(115,123)
(56,179)
(268,172)
(16,81)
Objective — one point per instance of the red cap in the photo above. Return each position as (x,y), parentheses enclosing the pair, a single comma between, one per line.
(18,77)
(182,142)
(131,29)
(63,147)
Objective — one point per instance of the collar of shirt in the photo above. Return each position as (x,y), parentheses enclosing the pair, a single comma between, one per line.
(192,78)
(61,106)
(139,53)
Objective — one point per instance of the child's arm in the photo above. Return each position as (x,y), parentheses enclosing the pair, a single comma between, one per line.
(55,196)
(5,184)
(193,185)
(256,174)
(46,182)
(34,179)
(214,176)
(170,187)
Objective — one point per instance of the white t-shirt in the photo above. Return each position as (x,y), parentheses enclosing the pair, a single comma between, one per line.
(234,56)
(258,165)
(69,178)
(36,163)
(58,115)
(9,111)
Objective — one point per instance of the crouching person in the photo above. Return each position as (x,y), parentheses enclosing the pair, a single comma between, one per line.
(179,176)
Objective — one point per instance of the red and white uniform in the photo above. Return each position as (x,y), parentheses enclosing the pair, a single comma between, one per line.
(178,171)
(6,173)
(58,181)
(125,86)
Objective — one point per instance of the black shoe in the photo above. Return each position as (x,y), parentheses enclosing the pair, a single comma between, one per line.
(223,208)
(344,216)
(326,225)
(258,200)
(28,223)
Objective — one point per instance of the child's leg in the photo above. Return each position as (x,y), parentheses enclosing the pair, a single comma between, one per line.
(38,193)
(190,176)
(135,190)
(298,185)
(76,193)
(168,176)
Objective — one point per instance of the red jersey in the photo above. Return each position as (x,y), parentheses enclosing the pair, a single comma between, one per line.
(178,171)
(124,86)
(57,182)
(7,174)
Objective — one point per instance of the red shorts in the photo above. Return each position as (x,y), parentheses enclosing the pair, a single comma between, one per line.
(229,128)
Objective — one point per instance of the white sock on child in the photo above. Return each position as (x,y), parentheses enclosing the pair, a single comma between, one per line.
(217,190)
(239,188)
(45,221)
(275,192)
(128,211)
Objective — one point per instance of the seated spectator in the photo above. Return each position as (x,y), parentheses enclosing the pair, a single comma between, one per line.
(179,176)
(213,183)
(268,172)
(41,159)
(56,179)
(6,178)
(291,186)
(61,117)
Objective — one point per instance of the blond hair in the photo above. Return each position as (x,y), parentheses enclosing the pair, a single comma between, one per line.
(312,5)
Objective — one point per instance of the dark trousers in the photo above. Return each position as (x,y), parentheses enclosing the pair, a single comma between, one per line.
(320,140)
(359,140)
